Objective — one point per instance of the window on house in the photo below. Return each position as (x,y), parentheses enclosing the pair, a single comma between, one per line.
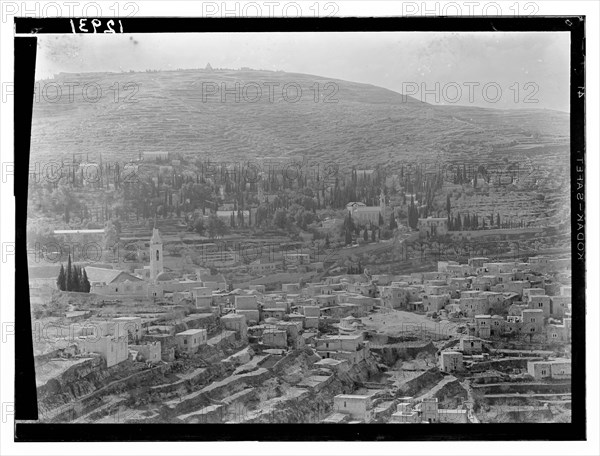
(184,341)
(554,335)
(532,329)
(157,255)
(543,371)
(533,320)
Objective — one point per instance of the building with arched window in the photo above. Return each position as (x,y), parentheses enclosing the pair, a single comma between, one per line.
(156,252)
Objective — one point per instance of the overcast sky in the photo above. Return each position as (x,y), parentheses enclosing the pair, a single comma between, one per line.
(390,60)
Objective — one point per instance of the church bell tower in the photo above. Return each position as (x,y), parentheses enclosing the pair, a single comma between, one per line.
(156,255)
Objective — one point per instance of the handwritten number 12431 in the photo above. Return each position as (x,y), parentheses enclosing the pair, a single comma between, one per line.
(96,26)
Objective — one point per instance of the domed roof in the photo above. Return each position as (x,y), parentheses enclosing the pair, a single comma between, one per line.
(164,277)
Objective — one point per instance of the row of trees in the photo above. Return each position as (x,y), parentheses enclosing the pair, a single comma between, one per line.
(73,278)
(472,222)
(280,218)
(468,222)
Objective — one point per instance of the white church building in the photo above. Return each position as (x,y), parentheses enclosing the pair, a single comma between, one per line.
(143,283)
(150,281)
(363,214)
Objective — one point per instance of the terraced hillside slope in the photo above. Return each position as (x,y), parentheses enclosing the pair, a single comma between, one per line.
(356,124)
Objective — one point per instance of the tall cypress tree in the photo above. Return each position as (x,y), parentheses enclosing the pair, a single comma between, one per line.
(75,279)
(61,282)
(69,281)
(393,224)
(81,284)
(85,283)
(413,215)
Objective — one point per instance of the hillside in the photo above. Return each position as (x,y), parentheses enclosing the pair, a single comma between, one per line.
(368,125)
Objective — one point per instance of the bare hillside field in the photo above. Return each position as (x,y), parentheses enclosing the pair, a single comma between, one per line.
(332,120)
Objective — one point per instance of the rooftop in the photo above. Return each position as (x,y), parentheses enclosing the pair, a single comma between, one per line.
(353,396)
(165,277)
(191,332)
(94,231)
(349,337)
(104,275)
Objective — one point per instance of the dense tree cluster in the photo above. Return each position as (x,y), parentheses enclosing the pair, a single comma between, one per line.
(73,278)
(282,198)
(471,222)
